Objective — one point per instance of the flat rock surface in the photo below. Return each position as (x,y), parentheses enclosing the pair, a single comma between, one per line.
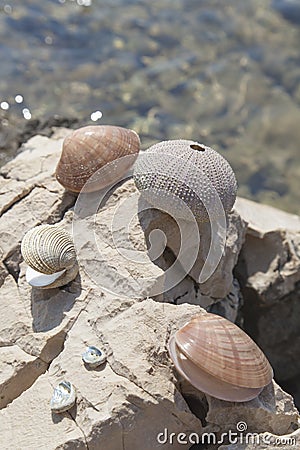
(263,218)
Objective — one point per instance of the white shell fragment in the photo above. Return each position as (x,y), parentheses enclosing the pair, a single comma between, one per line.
(38,279)
(63,398)
(93,357)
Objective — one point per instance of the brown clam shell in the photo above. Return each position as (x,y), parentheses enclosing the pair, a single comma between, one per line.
(219,358)
(205,382)
(91,148)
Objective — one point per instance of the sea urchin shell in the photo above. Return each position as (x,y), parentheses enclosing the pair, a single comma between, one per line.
(176,174)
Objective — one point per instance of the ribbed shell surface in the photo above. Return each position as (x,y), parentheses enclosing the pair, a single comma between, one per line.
(207,383)
(225,351)
(90,148)
(185,169)
(48,249)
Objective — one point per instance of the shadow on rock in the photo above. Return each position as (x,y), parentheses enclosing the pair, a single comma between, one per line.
(48,306)
(99,368)
(58,417)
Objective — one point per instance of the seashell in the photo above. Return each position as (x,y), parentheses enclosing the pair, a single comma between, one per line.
(89,149)
(176,174)
(63,398)
(49,252)
(93,357)
(220,359)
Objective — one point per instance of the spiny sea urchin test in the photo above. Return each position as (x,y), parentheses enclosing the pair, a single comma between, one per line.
(179,174)
(88,149)
(49,252)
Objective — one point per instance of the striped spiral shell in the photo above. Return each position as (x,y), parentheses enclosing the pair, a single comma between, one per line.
(50,255)
(89,149)
(174,174)
(48,249)
(220,359)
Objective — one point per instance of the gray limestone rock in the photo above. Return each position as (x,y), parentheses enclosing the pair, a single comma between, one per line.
(269,274)
(270,257)
(182,239)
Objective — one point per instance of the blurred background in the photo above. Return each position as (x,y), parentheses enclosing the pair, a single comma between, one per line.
(224,73)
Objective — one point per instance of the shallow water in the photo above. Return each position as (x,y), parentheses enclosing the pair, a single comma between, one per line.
(223,73)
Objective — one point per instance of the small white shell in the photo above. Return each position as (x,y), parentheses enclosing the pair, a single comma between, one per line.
(93,357)
(63,398)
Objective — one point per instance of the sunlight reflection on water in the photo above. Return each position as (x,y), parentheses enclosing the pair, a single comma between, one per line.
(226,74)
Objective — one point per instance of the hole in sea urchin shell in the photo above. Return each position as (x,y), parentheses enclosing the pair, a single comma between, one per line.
(197,147)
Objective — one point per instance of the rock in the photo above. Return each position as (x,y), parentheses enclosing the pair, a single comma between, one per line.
(229,306)
(18,372)
(29,177)
(131,400)
(262,219)
(15,131)
(104,238)
(270,258)
(12,191)
(273,411)
(28,422)
(220,282)
(278,334)
(134,387)
(269,274)
(14,319)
